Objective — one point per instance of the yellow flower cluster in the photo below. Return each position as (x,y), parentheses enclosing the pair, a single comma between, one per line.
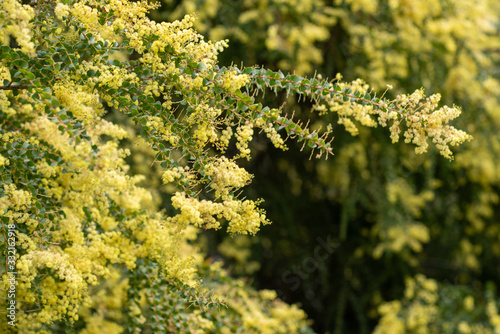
(82,104)
(110,76)
(164,129)
(350,111)
(422,294)
(420,114)
(172,174)
(22,218)
(467,254)
(368,6)
(196,212)
(4,102)
(15,22)
(232,80)
(395,238)
(244,217)
(271,131)
(244,134)
(14,199)
(61,298)
(224,138)
(226,176)
(303,24)
(104,127)
(48,131)
(493,315)
(275,317)
(88,16)
(109,299)
(178,173)
(131,20)
(421,311)
(399,191)
(204,119)
(427,122)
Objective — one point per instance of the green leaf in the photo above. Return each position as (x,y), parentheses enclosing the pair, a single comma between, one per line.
(5,49)
(20,63)
(28,74)
(201,66)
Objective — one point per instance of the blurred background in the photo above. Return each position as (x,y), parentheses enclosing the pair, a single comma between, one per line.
(376,238)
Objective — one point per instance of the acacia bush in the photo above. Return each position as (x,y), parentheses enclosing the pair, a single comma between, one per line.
(88,248)
(394,215)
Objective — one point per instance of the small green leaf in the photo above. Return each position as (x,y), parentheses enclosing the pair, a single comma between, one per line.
(21,63)
(201,66)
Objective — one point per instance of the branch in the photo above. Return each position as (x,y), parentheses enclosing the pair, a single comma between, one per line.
(13,87)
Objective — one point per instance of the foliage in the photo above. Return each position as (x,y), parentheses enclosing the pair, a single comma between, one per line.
(273,31)
(424,309)
(392,213)
(93,252)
